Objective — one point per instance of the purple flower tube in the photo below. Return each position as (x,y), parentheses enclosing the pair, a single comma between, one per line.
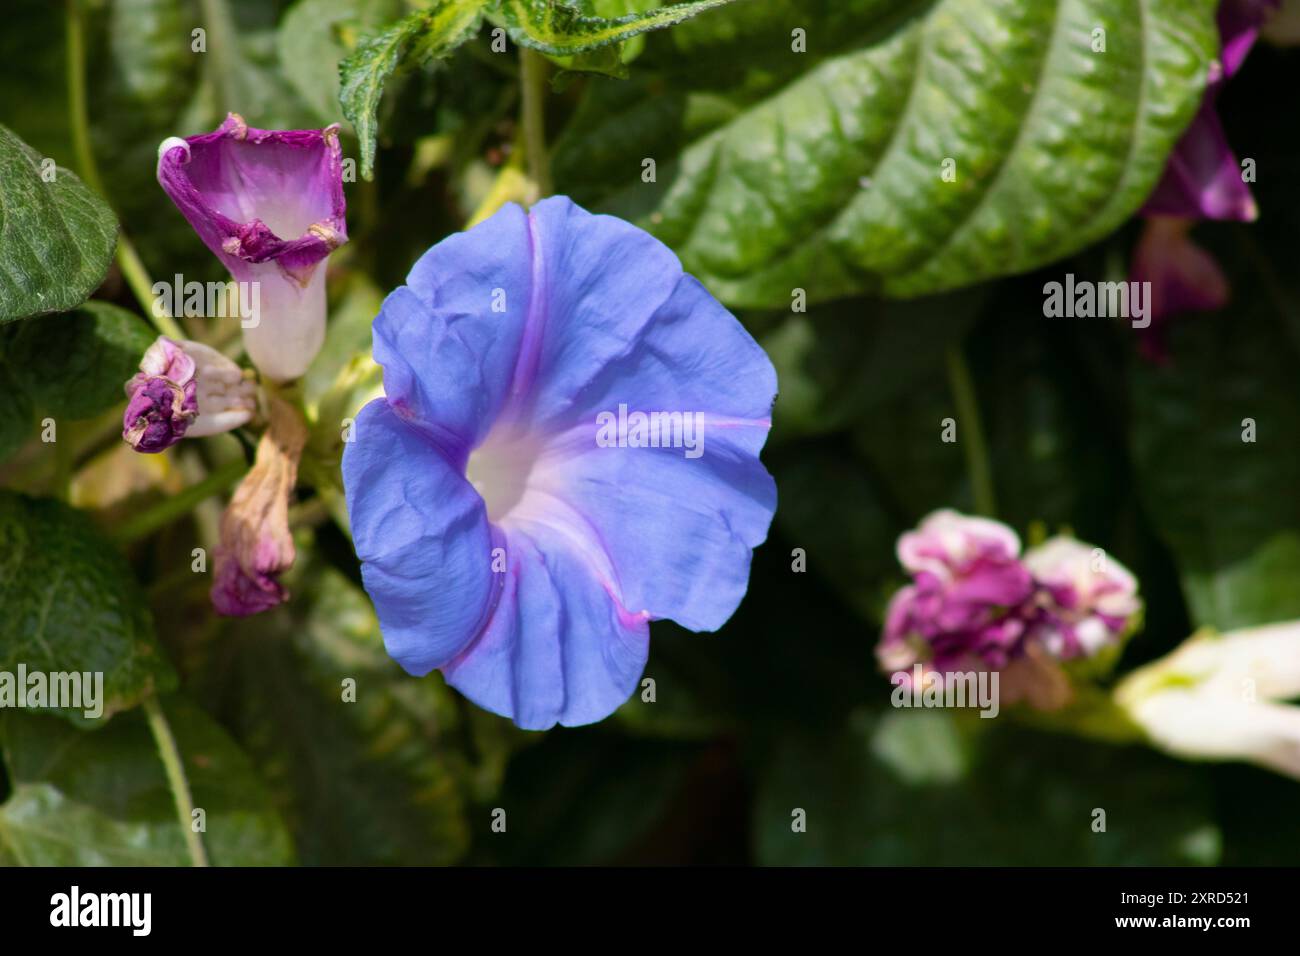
(270,206)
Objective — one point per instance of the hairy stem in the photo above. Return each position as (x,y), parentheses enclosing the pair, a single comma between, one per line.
(176,780)
(533,77)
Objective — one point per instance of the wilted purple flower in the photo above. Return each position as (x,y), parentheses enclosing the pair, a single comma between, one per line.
(270,206)
(256,543)
(962,609)
(1087,599)
(502,540)
(161,398)
(974,604)
(1183,276)
(226,397)
(1239,24)
(1202,180)
(184,390)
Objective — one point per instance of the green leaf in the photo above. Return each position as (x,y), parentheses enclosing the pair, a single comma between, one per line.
(1226,507)
(312,39)
(56,237)
(832,508)
(71,604)
(559,27)
(103,799)
(586,798)
(824,170)
(241,68)
(74,365)
(15,414)
(927,788)
(379,780)
(419,39)
(833,367)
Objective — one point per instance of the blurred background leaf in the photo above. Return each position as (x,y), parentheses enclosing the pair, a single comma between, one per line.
(102,800)
(75,365)
(909,788)
(385,779)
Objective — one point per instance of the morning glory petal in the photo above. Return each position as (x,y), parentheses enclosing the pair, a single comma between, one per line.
(448,339)
(559,647)
(423,540)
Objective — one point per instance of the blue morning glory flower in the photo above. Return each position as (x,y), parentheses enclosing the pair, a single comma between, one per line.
(567,449)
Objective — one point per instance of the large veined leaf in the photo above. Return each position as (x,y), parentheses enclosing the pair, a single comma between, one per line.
(366,775)
(103,799)
(1215,434)
(825,170)
(74,365)
(56,236)
(71,604)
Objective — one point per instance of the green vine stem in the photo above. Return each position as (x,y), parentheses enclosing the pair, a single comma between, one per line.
(176,780)
(972,433)
(180,503)
(533,77)
(128,260)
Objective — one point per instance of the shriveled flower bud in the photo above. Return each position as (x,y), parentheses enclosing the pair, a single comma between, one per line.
(975,604)
(1086,599)
(227,397)
(184,389)
(256,544)
(162,398)
(961,609)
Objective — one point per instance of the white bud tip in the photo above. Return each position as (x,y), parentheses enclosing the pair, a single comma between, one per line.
(171,142)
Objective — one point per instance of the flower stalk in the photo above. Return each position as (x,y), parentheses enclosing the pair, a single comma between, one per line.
(176,780)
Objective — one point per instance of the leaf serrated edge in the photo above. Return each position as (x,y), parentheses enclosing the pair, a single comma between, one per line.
(432,34)
(576,33)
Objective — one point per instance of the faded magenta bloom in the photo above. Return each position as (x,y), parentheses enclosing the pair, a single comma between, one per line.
(1183,276)
(1087,599)
(270,206)
(1202,180)
(256,545)
(161,398)
(507,536)
(184,390)
(961,609)
(975,604)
